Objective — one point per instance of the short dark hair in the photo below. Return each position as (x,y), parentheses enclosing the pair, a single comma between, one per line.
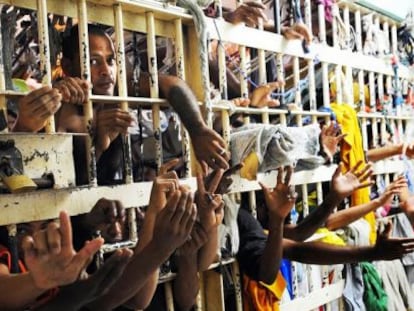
(70,43)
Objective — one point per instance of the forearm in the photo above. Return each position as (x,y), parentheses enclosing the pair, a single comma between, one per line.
(183,101)
(272,254)
(186,285)
(208,252)
(345,217)
(140,269)
(314,220)
(325,254)
(381,153)
(17,291)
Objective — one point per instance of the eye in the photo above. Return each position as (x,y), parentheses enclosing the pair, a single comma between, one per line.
(111,61)
(93,62)
(23,229)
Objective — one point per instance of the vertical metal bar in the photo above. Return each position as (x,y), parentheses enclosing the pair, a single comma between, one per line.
(237,285)
(86,75)
(122,86)
(45,67)
(244,89)
(153,73)
(335,10)
(296,81)
(3,100)
(374,127)
(394,39)
(169,298)
(386,29)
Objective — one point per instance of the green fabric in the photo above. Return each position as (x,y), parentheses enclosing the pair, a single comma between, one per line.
(375,298)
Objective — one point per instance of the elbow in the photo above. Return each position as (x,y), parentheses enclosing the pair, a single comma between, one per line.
(266,276)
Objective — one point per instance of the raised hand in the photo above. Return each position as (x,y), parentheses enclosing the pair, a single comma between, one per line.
(387,248)
(330,138)
(36,108)
(169,166)
(109,124)
(82,292)
(394,188)
(343,185)
(162,187)
(50,257)
(73,90)
(261,96)
(108,217)
(209,148)
(175,222)
(281,199)
(210,206)
(221,186)
(297,31)
(249,12)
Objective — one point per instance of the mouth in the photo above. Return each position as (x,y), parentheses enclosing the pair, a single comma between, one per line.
(105,84)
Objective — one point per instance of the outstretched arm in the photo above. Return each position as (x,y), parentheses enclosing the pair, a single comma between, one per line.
(319,253)
(342,186)
(345,217)
(209,146)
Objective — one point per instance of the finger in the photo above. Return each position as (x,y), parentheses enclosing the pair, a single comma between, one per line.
(172,205)
(53,238)
(215,181)
(340,138)
(200,184)
(266,191)
(290,34)
(288,177)
(356,167)
(221,161)
(366,184)
(65,92)
(273,103)
(366,175)
(166,167)
(212,163)
(233,170)
(180,209)
(81,259)
(29,250)
(40,242)
(188,211)
(191,220)
(279,176)
(65,230)
(36,94)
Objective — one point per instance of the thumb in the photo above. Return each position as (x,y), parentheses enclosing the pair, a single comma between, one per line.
(387,230)
(264,188)
(82,258)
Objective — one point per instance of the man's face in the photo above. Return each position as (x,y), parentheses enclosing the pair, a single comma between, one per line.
(103,65)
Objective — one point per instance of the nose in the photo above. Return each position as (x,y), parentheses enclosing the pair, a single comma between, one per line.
(105,70)
(115,231)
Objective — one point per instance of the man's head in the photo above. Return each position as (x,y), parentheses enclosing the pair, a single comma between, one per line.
(102,59)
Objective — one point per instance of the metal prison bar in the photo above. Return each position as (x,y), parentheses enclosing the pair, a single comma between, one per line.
(157,19)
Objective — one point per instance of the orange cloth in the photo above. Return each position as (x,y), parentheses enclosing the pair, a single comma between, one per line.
(351,153)
(258,296)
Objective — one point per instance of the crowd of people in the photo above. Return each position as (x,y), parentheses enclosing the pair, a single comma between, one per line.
(55,270)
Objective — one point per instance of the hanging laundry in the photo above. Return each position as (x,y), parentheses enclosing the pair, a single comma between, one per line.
(351,153)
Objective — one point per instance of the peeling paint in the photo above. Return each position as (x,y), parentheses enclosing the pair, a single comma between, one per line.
(36,154)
